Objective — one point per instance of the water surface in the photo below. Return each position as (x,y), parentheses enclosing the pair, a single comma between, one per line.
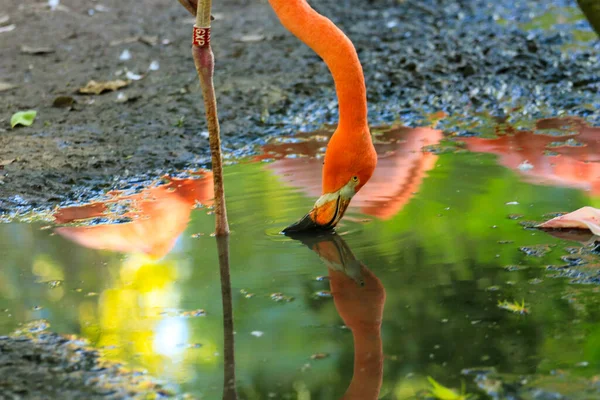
(417,269)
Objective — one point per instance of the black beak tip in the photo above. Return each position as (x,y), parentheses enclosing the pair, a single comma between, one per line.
(305,225)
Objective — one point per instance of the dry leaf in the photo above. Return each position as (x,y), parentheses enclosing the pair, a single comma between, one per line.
(94,87)
(6,162)
(584,218)
(4,86)
(36,50)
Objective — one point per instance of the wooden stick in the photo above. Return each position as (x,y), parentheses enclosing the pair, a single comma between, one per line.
(204,61)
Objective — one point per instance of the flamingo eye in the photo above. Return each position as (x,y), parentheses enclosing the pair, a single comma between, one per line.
(355,179)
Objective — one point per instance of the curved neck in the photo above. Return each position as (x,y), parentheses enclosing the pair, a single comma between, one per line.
(338,52)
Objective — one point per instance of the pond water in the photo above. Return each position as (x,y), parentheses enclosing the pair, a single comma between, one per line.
(417,269)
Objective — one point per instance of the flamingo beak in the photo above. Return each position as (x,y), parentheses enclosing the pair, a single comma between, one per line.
(326,213)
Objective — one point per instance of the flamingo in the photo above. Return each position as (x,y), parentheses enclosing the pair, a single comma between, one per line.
(350,158)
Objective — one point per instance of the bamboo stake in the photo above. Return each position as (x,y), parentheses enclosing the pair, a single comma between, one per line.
(204,62)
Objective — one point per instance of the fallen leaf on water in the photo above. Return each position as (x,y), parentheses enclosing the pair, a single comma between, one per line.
(36,50)
(443,393)
(584,218)
(514,307)
(94,87)
(24,118)
(319,356)
(4,86)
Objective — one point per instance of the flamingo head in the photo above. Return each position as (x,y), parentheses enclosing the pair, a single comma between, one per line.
(349,164)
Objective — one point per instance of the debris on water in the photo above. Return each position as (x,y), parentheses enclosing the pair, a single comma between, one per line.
(505,241)
(525,166)
(512,203)
(94,87)
(54,284)
(535,281)
(257,333)
(196,235)
(322,294)
(125,55)
(515,216)
(582,364)
(321,278)
(91,294)
(195,313)
(154,66)
(493,288)
(515,307)
(279,297)
(319,356)
(512,268)
(438,391)
(37,308)
(246,294)
(567,143)
(538,250)
(528,224)
(24,118)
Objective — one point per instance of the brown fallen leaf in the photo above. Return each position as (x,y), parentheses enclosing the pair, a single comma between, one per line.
(94,87)
(36,50)
(584,218)
(4,86)
(6,162)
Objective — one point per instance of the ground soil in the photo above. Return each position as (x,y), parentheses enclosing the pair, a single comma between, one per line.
(459,56)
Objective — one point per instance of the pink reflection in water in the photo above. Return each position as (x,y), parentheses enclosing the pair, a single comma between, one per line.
(159,215)
(528,153)
(401,167)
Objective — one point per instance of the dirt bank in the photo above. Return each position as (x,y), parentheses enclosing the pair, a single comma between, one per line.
(460,56)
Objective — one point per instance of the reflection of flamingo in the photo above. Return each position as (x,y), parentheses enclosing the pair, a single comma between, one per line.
(570,166)
(159,215)
(359,298)
(400,170)
(350,157)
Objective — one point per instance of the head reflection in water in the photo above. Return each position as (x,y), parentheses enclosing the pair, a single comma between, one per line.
(359,298)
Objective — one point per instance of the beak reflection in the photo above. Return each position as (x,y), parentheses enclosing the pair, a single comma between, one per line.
(359,298)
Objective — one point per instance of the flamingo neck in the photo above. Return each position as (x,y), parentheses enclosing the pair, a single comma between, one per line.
(338,52)
(368,365)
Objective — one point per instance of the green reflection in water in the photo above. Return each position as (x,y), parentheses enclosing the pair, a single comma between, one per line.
(441,259)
